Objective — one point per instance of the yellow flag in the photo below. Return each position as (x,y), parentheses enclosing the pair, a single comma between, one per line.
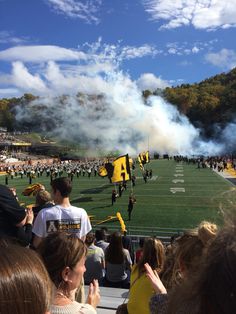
(147,156)
(33,189)
(144,158)
(121,170)
(141,166)
(102,171)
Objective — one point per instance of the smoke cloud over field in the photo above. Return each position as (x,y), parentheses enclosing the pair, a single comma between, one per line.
(105,109)
(119,119)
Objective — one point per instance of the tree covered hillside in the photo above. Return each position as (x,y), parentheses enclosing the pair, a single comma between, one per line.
(210,102)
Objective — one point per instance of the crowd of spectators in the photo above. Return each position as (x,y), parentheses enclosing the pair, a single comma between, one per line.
(51,254)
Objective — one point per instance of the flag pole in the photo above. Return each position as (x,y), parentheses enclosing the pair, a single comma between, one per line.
(131,184)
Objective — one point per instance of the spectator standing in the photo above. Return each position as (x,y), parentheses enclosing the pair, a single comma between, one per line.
(61,217)
(127,244)
(43,199)
(24,233)
(100,236)
(95,261)
(118,263)
(12,215)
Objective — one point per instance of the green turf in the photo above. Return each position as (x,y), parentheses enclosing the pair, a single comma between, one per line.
(156,206)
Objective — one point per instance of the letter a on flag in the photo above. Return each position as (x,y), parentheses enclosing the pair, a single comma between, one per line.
(121,170)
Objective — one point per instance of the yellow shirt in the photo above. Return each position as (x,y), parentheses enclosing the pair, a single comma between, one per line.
(140,293)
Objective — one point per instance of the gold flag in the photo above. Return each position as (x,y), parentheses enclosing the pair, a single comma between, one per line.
(121,170)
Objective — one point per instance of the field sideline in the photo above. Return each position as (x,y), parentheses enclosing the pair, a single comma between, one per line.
(178,196)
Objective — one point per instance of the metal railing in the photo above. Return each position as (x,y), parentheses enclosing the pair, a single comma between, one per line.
(136,232)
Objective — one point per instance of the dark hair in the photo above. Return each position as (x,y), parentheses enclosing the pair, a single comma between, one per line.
(25,286)
(63,185)
(115,252)
(153,254)
(141,242)
(100,235)
(60,250)
(89,238)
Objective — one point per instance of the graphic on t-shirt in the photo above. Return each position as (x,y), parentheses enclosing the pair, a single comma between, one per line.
(71,226)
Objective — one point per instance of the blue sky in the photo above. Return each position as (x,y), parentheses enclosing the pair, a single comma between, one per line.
(53,46)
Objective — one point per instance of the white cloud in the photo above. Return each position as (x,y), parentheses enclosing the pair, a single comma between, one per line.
(40,54)
(25,81)
(9,38)
(86,10)
(185,48)
(117,52)
(202,14)
(130,52)
(37,68)
(97,50)
(172,51)
(62,82)
(224,59)
(151,82)
(195,49)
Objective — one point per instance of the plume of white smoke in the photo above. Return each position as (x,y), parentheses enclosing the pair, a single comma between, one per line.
(105,109)
(119,119)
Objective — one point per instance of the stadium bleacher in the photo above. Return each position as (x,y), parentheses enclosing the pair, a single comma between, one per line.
(111,298)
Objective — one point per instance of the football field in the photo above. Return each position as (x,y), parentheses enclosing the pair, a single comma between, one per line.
(177,196)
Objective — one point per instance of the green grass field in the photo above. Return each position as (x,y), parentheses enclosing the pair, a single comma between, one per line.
(156,205)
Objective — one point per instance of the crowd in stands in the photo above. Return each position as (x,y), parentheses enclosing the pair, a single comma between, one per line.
(6,137)
(52,253)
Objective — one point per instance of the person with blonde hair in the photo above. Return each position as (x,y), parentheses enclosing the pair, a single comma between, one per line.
(64,257)
(213,289)
(141,289)
(189,252)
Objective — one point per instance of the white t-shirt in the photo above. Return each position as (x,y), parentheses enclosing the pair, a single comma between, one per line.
(57,218)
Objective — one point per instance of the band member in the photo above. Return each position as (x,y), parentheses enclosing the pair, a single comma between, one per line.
(113,197)
(132,201)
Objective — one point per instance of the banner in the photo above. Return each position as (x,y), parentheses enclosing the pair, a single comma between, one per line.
(33,189)
(102,171)
(144,158)
(147,157)
(106,170)
(121,171)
